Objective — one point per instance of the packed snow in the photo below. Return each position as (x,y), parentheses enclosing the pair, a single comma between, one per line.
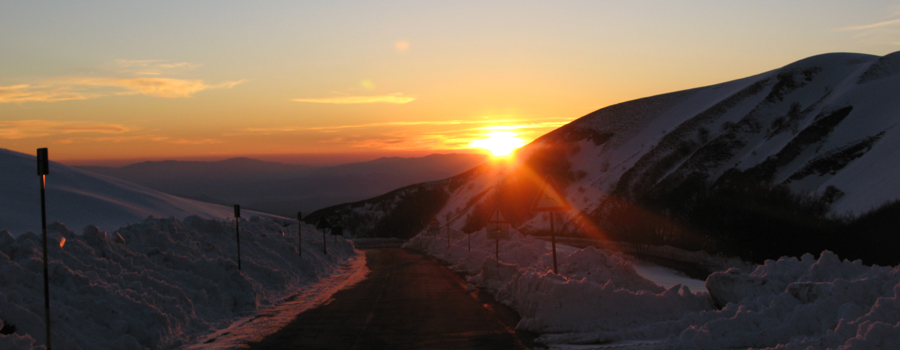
(158,284)
(135,277)
(599,298)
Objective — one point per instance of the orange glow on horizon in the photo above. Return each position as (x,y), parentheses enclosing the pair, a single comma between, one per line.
(499,143)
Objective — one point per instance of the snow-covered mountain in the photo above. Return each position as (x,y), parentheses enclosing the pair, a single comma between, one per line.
(822,128)
(79,198)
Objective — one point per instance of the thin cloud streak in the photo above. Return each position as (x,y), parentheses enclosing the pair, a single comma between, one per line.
(393,98)
(133,138)
(24,129)
(158,87)
(114,133)
(41,93)
(873,25)
(526,125)
(82,88)
(153,66)
(135,77)
(459,139)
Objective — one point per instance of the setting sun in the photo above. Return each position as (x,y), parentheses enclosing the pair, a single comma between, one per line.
(499,143)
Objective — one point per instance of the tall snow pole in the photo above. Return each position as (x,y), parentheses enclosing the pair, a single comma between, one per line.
(553,241)
(550,200)
(497,251)
(237,229)
(322,225)
(469,235)
(43,165)
(448,230)
(299,234)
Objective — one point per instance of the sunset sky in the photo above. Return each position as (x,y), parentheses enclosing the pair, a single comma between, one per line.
(329,81)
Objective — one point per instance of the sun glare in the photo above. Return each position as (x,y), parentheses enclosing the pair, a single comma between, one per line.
(499,143)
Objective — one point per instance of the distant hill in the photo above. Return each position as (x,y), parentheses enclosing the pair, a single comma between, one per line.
(780,163)
(78,198)
(285,189)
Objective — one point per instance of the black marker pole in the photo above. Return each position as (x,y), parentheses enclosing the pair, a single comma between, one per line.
(469,235)
(553,241)
(43,165)
(237,229)
(497,251)
(299,234)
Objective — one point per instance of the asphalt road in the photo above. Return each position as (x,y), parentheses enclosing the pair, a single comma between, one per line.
(409,301)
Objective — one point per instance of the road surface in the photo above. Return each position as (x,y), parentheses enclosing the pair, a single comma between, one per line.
(409,301)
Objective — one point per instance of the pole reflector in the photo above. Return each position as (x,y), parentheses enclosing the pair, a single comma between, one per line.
(43,164)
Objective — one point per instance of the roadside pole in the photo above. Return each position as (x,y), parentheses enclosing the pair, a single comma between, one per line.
(299,234)
(550,200)
(497,228)
(43,164)
(469,235)
(324,225)
(237,230)
(553,241)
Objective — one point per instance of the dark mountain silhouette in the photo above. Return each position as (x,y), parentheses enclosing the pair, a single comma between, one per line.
(284,189)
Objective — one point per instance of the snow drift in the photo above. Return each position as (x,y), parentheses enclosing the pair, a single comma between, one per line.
(158,284)
(597,297)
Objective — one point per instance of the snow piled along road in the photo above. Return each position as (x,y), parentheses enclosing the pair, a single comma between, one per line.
(599,298)
(159,284)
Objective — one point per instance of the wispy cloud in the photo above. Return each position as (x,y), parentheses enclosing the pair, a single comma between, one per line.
(406,135)
(23,129)
(878,33)
(492,124)
(884,24)
(82,88)
(152,67)
(136,138)
(44,93)
(71,132)
(132,77)
(397,98)
(537,125)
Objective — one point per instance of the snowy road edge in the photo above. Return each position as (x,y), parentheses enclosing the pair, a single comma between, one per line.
(268,321)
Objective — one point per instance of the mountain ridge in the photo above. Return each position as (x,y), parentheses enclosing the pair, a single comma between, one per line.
(283,188)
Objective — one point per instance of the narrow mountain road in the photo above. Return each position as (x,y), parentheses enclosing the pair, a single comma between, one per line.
(409,301)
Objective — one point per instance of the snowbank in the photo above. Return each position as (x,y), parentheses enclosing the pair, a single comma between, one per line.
(808,303)
(594,290)
(158,284)
(597,297)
